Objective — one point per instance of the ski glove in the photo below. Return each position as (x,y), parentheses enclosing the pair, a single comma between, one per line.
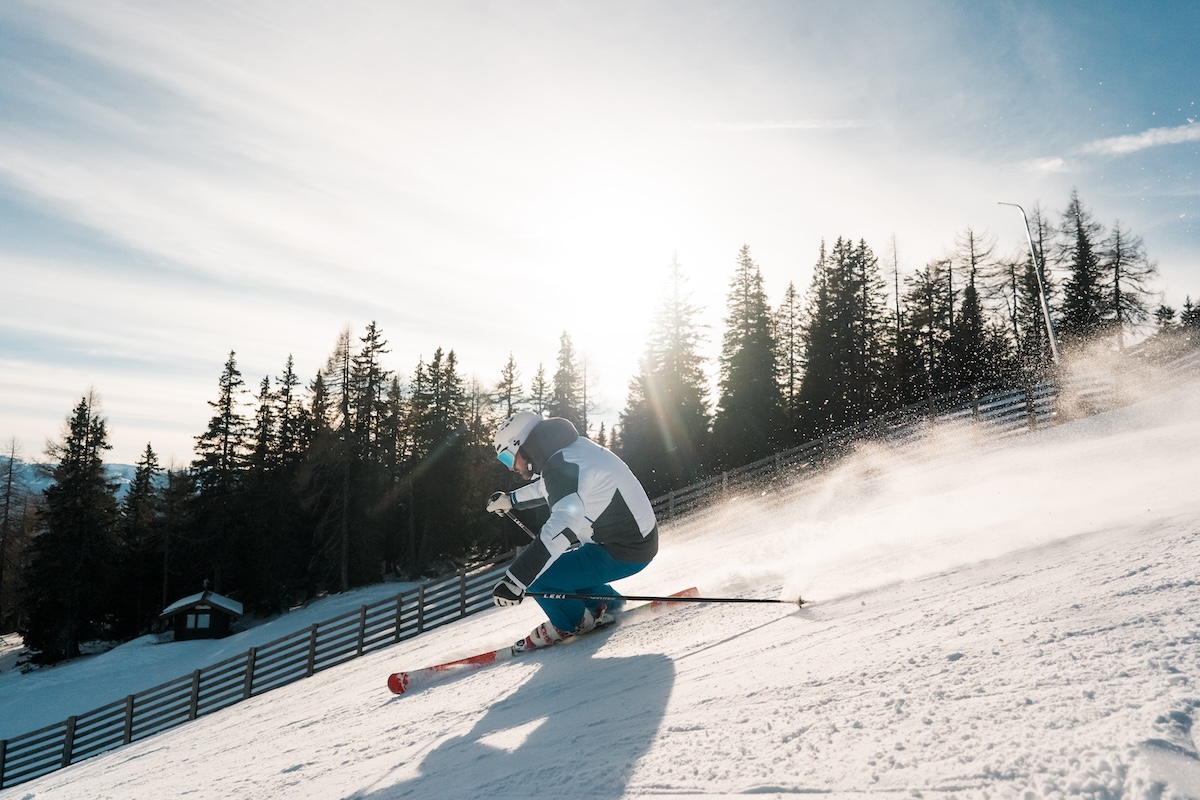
(500,503)
(507,593)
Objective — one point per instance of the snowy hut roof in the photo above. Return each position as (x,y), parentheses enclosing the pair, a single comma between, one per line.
(204,598)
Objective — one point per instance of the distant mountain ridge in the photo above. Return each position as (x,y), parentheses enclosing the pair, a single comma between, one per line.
(36,478)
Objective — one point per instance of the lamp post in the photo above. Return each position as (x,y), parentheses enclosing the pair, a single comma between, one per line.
(1037,268)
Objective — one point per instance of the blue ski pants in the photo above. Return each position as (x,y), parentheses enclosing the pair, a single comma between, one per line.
(586,570)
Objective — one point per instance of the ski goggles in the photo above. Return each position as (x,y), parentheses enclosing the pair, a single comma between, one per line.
(507,458)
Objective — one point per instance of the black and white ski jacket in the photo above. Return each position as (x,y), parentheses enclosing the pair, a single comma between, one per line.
(593,496)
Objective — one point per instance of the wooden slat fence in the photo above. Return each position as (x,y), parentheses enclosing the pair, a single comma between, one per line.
(260,669)
(995,412)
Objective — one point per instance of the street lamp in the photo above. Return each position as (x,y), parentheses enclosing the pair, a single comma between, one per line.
(1037,268)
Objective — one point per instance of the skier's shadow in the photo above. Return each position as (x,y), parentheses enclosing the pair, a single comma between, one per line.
(575,729)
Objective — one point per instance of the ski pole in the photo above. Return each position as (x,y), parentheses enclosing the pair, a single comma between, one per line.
(799,601)
(520,524)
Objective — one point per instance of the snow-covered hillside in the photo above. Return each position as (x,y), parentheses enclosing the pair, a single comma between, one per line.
(988,619)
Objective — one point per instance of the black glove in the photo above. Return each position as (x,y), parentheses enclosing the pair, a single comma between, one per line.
(507,593)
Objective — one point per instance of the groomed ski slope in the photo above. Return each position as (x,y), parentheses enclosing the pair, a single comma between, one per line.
(1016,618)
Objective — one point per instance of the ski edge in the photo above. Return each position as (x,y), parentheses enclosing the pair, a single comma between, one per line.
(402,682)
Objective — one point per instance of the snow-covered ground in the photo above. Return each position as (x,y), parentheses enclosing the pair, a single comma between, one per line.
(988,619)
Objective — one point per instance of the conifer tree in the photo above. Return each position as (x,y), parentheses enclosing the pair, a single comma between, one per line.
(666,417)
(1083,307)
(846,360)
(179,572)
(1127,273)
(294,425)
(1189,317)
(135,607)
(749,415)
(789,333)
(66,580)
(437,479)
(331,469)
(264,452)
(508,389)
(267,553)
(974,356)
(540,391)
(218,469)
(16,524)
(369,383)
(926,334)
(566,398)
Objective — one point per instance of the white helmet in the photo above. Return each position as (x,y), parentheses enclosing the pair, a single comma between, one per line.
(513,434)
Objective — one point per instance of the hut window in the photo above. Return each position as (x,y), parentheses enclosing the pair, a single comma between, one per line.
(197,621)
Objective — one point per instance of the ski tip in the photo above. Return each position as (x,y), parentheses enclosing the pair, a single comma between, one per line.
(800,601)
(398,682)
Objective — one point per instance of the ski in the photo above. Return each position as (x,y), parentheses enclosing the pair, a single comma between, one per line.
(405,682)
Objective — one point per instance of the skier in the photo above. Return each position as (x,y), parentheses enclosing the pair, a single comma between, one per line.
(601,526)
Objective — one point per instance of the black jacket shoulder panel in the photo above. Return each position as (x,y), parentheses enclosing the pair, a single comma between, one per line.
(547,438)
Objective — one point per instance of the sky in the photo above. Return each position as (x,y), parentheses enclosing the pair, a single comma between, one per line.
(183,180)
(987,618)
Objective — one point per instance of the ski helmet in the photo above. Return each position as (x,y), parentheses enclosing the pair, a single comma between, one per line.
(513,434)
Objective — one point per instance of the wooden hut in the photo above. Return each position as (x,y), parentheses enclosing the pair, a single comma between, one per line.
(206,615)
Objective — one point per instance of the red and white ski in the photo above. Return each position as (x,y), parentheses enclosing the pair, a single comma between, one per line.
(404,682)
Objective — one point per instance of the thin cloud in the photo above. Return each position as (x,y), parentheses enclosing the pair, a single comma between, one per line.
(1050,165)
(1155,137)
(793,125)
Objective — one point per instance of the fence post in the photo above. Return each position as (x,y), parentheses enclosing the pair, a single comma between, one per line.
(194,708)
(462,593)
(399,614)
(128,720)
(362,628)
(1030,410)
(975,402)
(248,683)
(421,608)
(68,741)
(312,651)
(671,504)
(3,751)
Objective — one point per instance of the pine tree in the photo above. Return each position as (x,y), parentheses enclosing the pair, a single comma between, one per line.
(926,333)
(508,389)
(369,382)
(135,607)
(71,558)
(846,359)
(437,480)
(749,417)
(539,391)
(974,355)
(266,553)
(566,398)
(16,523)
(666,415)
(294,425)
(789,333)
(1083,307)
(221,457)
(1189,318)
(1127,272)
(180,573)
